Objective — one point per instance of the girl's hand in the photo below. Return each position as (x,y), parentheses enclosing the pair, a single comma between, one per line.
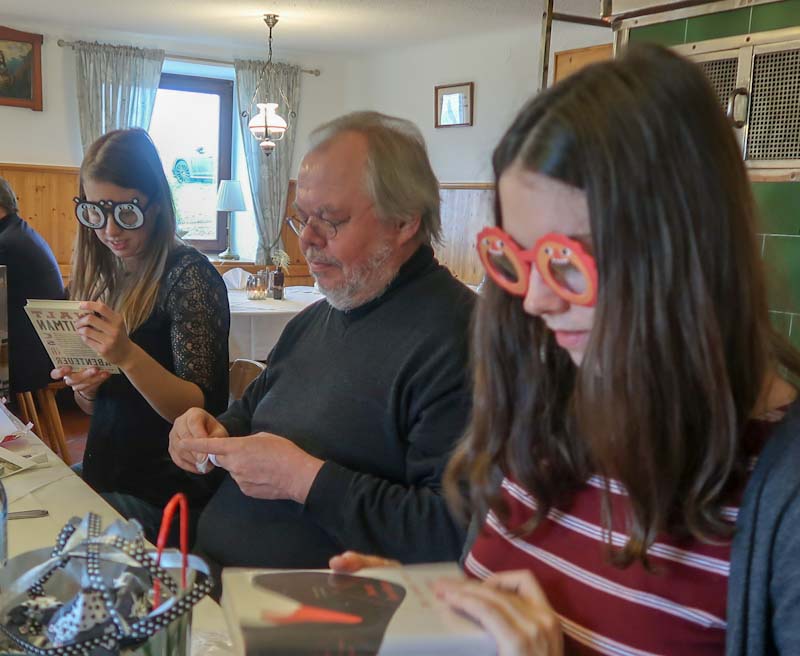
(352,561)
(513,608)
(85,382)
(104,331)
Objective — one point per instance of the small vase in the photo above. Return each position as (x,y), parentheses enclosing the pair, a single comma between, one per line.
(277,285)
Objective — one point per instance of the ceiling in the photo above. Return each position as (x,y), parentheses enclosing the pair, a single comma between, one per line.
(308,25)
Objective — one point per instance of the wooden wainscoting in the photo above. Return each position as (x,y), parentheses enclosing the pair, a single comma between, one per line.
(569,61)
(298,269)
(44,195)
(466,209)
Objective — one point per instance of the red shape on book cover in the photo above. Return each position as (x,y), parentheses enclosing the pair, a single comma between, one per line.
(312,614)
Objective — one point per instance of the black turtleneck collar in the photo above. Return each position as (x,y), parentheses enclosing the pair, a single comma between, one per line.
(420,262)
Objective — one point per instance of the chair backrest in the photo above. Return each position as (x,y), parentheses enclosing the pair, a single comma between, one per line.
(242,373)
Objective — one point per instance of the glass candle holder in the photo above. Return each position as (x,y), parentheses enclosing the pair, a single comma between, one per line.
(258,286)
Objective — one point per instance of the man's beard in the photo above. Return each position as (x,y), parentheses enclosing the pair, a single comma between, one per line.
(362,283)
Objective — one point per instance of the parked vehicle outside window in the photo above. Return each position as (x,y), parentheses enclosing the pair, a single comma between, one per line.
(197,167)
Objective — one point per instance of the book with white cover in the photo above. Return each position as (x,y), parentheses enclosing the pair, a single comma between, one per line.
(390,611)
(54,322)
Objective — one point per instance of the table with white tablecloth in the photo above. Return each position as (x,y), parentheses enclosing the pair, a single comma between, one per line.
(59,490)
(256,325)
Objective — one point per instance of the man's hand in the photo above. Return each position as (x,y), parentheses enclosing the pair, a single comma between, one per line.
(264,466)
(192,425)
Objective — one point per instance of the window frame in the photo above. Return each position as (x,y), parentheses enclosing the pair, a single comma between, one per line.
(223,89)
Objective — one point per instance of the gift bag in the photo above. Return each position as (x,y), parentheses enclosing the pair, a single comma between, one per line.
(103,592)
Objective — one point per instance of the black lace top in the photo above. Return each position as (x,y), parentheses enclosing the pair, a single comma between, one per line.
(187,333)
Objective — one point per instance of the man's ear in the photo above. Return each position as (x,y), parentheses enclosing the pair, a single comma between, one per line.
(408,229)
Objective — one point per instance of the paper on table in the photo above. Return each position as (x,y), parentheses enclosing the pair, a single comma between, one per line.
(12,463)
(7,427)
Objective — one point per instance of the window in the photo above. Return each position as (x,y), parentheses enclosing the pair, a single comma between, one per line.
(192,127)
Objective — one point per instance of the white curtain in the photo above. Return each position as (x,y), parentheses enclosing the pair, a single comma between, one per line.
(117,87)
(269,176)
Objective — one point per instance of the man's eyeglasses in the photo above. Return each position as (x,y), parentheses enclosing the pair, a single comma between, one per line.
(128,215)
(563,263)
(323,227)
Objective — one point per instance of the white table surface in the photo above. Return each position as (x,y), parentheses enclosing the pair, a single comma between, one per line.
(63,494)
(256,325)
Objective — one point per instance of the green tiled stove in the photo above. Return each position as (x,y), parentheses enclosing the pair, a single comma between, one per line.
(750,51)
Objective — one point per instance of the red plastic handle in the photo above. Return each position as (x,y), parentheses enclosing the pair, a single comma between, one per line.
(179,500)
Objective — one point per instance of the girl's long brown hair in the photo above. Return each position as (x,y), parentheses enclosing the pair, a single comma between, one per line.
(128,159)
(681,344)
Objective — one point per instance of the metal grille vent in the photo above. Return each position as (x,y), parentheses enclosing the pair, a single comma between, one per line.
(774,128)
(722,75)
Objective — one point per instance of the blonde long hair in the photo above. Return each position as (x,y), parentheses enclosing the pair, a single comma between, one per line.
(129,159)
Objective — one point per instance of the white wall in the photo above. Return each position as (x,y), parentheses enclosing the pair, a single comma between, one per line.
(504,66)
(52,136)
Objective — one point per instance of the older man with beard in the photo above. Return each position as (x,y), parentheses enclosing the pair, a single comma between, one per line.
(343,439)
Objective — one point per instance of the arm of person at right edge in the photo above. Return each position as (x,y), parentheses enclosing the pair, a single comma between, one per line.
(784,586)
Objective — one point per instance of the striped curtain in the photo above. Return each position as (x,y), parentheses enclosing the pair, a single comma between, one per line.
(269,176)
(116,88)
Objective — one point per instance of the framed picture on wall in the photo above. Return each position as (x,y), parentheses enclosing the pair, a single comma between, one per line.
(453,104)
(20,69)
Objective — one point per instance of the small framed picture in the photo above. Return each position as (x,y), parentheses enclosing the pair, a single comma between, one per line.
(20,69)
(453,104)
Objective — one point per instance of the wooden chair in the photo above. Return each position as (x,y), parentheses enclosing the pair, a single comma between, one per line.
(43,414)
(242,373)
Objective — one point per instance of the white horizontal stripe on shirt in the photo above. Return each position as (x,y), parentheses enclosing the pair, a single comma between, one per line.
(590,579)
(598,533)
(596,641)
(599,642)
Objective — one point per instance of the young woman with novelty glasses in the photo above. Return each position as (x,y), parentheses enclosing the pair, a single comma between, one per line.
(634,441)
(157,309)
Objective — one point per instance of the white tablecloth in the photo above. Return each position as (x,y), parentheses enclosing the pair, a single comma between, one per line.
(256,325)
(57,489)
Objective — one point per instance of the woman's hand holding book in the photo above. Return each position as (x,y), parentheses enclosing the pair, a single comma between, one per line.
(104,330)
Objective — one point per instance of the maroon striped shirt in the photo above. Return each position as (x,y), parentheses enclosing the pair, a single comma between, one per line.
(677,608)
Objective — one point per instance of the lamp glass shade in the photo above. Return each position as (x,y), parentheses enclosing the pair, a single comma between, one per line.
(267,122)
(230,197)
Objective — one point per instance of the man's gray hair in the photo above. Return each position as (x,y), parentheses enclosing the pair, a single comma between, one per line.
(8,199)
(399,177)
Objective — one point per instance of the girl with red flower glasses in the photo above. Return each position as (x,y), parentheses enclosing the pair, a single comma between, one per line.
(633,451)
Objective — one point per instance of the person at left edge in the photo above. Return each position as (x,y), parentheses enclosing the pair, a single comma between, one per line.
(32,272)
(156,308)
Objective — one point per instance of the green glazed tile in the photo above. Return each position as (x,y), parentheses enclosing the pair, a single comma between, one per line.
(717,26)
(778,207)
(665,34)
(794,336)
(782,262)
(775,15)
(781,322)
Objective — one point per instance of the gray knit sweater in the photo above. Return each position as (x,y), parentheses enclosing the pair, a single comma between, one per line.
(764,581)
